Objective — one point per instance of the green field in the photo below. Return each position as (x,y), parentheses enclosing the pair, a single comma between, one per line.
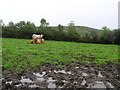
(19,54)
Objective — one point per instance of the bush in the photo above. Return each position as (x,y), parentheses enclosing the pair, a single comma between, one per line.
(25,30)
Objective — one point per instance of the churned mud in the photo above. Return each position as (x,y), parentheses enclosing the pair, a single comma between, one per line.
(75,75)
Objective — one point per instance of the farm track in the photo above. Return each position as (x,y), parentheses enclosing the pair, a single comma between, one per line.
(74,75)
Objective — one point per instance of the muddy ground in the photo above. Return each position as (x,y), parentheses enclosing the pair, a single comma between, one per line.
(75,75)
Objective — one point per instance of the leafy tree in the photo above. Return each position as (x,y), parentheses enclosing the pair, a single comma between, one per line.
(94,36)
(72,34)
(20,24)
(43,22)
(87,38)
(71,27)
(105,28)
(1,22)
(116,33)
(26,30)
(47,24)
(11,24)
(106,36)
(19,30)
(60,28)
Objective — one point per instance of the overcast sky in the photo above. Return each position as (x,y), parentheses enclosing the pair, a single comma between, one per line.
(91,13)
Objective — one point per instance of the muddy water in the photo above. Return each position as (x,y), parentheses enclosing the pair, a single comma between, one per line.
(97,84)
(51,83)
(77,75)
(25,80)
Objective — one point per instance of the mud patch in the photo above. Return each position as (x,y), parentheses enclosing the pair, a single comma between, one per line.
(75,75)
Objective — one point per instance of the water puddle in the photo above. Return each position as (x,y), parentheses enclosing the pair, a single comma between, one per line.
(51,83)
(25,80)
(33,86)
(67,76)
(40,79)
(110,85)
(97,84)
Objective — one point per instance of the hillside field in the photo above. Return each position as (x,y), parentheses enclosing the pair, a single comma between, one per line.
(19,54)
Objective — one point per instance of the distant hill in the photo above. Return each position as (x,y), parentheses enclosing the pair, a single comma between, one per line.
(80,29)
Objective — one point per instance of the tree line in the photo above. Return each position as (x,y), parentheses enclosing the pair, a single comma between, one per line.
(25,30)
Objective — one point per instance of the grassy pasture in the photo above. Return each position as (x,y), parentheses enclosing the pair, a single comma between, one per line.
(19,54)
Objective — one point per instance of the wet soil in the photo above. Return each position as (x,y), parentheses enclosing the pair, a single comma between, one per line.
(74,75)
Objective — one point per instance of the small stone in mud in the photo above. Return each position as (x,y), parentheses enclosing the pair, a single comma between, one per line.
(49,71)
(83,82)
(69,72)
(65,81)
(76,67)
(9,82)
(62,71)
(55,71)
(84,74)
(100,75)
